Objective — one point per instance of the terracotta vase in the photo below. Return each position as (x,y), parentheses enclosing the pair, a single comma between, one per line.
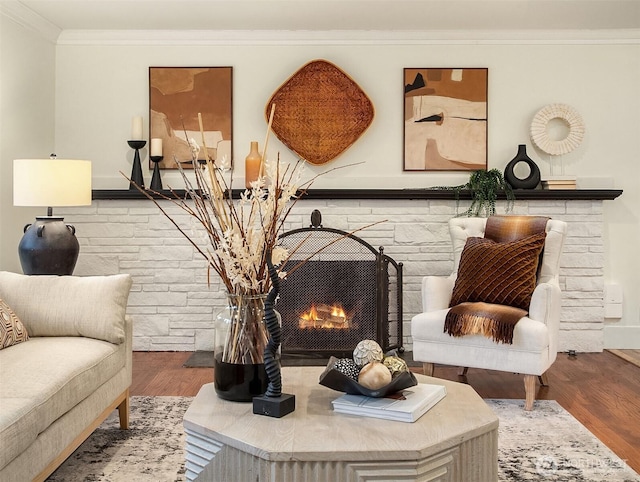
(252,165)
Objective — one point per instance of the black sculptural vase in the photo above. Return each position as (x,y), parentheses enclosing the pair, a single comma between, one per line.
(529,182)
(49,246)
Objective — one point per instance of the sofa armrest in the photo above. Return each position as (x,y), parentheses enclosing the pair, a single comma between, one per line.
(436,292)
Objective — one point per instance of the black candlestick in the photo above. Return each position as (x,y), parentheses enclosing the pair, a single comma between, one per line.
(156,180)
(136,170)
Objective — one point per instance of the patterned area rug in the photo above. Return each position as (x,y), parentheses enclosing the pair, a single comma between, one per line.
(546,444)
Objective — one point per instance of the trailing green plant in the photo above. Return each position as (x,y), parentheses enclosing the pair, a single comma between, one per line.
(484,186)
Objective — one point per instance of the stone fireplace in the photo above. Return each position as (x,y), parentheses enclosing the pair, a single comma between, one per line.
(339,291)
(173,301)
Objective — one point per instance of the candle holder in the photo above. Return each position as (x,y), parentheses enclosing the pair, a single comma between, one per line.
(156,180)
(136,170)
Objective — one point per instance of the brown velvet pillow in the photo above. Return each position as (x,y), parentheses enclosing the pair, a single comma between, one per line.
(500,273)
(12,331)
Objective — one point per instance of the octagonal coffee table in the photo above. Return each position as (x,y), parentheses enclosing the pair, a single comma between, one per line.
(457,440)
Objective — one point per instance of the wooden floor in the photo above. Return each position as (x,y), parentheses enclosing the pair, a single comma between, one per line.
(601,390)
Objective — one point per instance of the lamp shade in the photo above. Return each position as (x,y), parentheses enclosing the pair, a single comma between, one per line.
(51,182)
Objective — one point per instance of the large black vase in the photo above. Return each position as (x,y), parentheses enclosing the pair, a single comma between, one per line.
(239,382)
(532,180)
(239,371)
(49,246)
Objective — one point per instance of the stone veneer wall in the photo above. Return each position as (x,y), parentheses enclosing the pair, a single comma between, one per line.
(173,308)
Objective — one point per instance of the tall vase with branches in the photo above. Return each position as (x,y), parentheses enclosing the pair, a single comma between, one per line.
(235,237)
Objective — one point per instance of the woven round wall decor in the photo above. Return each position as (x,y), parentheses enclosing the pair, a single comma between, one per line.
(540,136)
(320,111)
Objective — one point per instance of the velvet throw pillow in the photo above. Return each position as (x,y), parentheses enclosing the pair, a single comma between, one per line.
(500,273)
(12,331)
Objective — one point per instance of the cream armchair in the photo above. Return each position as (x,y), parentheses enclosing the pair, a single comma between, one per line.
(535,337)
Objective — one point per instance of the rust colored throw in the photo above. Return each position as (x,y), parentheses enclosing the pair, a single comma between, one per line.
(504,229)
(496,278)
(493,321)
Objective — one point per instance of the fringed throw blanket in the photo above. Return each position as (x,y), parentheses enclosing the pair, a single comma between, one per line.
(496,278)
(493,321)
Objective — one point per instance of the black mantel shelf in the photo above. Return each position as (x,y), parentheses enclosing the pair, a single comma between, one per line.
(383,194)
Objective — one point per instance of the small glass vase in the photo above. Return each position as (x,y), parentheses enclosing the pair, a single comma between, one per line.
(240,337)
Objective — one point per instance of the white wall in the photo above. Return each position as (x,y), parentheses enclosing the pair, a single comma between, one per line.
(101,83)
(27,80)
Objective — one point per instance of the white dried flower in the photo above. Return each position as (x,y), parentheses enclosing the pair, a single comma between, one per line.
(278,255)
(195,148)
(224,163)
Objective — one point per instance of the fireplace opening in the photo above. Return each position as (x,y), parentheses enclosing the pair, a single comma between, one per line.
(346,293)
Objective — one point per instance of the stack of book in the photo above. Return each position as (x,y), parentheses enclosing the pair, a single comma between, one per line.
(404,406)
(563,182)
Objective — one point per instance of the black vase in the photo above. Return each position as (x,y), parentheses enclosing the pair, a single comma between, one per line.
(239,382)
(49,246)
(532,180)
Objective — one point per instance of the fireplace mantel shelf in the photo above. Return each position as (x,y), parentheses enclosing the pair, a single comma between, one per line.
(384,194)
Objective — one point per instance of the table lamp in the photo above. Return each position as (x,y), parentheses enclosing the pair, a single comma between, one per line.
(49,246)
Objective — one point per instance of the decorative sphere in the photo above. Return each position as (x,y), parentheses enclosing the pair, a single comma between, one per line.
(374,375)
(395,364)
(347,367)
(367,351)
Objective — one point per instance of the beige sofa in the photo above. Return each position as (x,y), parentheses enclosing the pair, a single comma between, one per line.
(72,372)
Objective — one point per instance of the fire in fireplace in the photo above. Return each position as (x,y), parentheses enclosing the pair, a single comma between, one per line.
(327,317)
(346,293)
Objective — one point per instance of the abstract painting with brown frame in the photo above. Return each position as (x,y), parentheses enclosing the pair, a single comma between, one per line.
(176,96)
(445,119)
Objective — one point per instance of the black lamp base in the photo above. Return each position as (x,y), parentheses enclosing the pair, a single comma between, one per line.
(49,246)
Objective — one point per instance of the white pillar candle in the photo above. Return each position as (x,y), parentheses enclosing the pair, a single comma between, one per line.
(136,128)
(156,146)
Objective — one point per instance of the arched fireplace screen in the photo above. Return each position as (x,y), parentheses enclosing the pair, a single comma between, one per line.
(346,293)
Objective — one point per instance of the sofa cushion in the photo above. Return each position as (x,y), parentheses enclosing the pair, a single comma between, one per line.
(499,273)
(12,331)
(51,306)
(44,379)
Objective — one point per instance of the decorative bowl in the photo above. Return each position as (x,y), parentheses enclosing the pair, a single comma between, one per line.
(336,380)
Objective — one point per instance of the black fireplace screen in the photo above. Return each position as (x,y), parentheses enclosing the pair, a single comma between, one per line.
(346,293)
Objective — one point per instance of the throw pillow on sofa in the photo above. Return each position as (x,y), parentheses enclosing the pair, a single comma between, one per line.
(51,306)
(12,331)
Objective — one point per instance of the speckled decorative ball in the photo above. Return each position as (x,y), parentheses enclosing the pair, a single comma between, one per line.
(347,367)
(395,364)
(367,351)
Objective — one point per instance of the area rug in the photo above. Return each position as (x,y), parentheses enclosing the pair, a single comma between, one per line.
(546,444)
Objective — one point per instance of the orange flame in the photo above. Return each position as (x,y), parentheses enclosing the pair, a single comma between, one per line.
(328,317)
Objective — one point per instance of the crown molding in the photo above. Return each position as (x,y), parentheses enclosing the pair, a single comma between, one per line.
(346,37)
(30,20)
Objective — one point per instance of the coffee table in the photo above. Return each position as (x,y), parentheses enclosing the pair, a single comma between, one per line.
(457,440)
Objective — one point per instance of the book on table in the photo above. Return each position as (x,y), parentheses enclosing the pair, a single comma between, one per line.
(404,406)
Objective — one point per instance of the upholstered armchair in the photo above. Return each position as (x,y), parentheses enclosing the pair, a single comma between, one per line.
(535,336)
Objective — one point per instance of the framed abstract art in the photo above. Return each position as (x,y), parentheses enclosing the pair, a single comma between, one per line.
(445,119)
(176,96)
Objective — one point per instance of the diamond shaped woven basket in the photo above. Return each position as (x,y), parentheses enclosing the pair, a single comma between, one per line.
(320,111)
